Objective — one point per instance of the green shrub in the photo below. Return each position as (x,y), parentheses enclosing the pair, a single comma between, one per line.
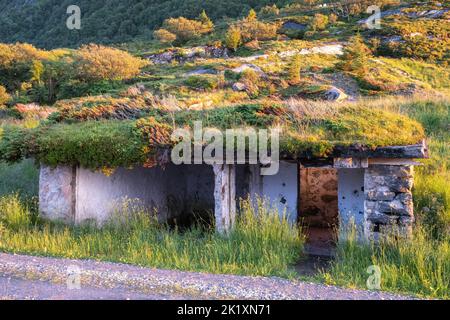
(92,144)
(202,82)
(4,96)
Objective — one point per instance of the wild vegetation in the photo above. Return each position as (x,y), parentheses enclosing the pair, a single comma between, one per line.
(260,244)
(315,71)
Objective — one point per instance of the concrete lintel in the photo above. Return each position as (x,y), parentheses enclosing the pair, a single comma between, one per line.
(224,197)
(350,163)
(394,162)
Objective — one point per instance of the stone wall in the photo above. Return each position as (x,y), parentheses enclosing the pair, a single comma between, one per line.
(318,197)
(388,205)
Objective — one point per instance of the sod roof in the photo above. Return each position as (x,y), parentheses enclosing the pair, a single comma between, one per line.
(108,136)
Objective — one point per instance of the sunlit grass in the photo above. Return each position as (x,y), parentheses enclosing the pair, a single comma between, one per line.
(420,266)
(261,243)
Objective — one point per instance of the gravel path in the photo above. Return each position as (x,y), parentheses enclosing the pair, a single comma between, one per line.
(24,277)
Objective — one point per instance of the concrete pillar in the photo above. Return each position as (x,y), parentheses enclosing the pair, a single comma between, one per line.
(388,204)
(255,183)
(57,193)
(224,196)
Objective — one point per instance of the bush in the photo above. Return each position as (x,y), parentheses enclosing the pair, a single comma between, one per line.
(4,96)
(164,36)
(95,63)
(319,22)
(186,29)
(202,82)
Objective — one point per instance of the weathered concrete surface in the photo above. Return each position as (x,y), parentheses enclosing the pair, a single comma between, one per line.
(282,189)
(224,196)
(178,283)
(57,193)
(171,191)
(351,197)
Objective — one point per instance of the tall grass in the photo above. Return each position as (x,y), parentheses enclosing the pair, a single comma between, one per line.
(261,243)
(418,266)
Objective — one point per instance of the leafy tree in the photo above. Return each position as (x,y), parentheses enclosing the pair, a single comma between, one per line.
(233,38)
(356,56)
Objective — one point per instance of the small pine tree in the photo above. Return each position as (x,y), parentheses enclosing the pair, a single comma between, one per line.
(207,23)
(252,16)
(233,38)
(356,56)
(294,69)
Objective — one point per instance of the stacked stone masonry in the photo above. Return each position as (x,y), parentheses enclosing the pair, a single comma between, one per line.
(388,206)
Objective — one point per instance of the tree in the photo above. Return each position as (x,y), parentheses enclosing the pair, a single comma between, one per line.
(4,96)
(94,63)
(164,36)
(233,38)
(252,16)
(208,25)
(294,69)
(356,56)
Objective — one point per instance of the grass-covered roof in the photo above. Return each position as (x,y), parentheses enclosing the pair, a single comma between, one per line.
(95,137)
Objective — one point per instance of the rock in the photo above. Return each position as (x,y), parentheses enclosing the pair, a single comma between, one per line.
(200,71)
(248,66)
(382,194)
(255,57)
(291,25)
(239,86)
(188,54)
(335,94)
(332,49)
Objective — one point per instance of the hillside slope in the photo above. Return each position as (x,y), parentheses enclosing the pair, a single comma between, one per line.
(43,22)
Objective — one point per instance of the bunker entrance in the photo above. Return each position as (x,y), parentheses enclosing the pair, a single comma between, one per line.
(318,208)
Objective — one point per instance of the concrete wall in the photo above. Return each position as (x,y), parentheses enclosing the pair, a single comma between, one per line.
(172,191)
(56,193)
(282,189)
(351,196)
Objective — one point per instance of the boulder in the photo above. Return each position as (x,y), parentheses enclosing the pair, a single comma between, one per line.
(335,94)
(291,25)
(248,66)
(239,86)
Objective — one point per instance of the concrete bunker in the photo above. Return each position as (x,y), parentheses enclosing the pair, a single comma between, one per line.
(370,187)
